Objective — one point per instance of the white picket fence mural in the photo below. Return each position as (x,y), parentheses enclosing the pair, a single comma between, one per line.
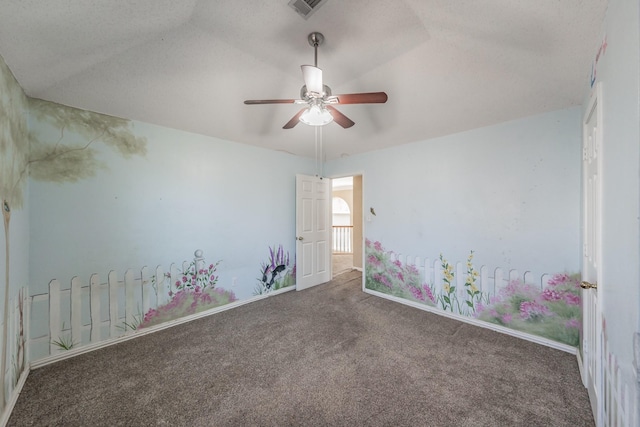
(90,311)
(15,346)
(546,305)
(620,397)
(489,280)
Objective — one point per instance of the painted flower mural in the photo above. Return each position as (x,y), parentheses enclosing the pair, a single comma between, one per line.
(394,278)
(276,273)
(449,299)
(195,279)
(552,311)
(193,291)
(470,285)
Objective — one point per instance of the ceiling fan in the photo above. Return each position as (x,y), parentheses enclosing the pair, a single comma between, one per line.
(319,102)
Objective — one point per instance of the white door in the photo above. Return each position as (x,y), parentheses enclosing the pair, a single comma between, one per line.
(313,231)
(592,286)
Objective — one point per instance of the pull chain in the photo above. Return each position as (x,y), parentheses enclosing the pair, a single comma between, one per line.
(316,151)
(321,153)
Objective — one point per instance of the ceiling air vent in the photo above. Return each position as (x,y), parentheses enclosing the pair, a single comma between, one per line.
(305,8)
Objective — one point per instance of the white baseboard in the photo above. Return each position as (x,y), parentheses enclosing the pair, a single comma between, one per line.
(581,368)
(504,330)
(108,342)
(6,413)
(282,290)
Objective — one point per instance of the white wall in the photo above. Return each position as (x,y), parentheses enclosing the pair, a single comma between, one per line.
(510,192)
(618,69)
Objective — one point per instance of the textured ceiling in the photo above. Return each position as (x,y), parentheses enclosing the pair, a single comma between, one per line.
(447,66)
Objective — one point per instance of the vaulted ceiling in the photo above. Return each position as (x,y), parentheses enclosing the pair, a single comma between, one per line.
(447,66)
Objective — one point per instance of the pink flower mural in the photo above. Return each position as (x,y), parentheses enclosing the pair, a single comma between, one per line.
(552,312)
(392,277)
(193,291)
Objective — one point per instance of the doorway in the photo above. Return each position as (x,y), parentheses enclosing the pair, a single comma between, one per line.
(346,219)
(591,349)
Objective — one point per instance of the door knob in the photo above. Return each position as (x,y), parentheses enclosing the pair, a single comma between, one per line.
(299,238)
(587,285)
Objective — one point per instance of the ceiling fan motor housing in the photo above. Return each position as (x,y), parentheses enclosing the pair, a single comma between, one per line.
(307,96)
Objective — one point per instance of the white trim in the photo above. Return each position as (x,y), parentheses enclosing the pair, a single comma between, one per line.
(581,368)
(363,221)
(106,343)
(281,291)
(15,393)
(594,356)
(507,331)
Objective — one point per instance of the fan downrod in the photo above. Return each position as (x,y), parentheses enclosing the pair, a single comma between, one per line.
(315,40)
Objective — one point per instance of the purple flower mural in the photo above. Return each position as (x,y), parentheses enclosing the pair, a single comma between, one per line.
(277,272)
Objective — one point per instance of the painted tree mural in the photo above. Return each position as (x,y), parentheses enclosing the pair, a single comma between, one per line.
(59,161)
(14,153)
(51,157)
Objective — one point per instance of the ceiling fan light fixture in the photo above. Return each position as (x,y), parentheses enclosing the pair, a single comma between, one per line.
(316,116)
(318,97)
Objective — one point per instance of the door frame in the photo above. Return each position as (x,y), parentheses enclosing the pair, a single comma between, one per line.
(362,217)
(592,352)
(356,219)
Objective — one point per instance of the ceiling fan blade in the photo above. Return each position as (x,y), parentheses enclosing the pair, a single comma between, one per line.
(269,101)
(294,120)
(312,78)
(362,98)
(340,118)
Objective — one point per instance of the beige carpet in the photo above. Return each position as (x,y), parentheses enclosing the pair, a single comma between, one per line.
(327,356)
(341,263)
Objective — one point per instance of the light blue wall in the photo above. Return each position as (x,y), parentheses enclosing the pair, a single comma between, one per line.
(618,69)
(188,192)
(510,192)
(168,194)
